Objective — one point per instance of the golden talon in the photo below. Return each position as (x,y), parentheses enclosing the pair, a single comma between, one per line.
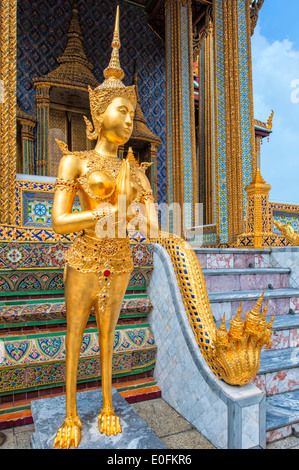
(109,422)
(69,434)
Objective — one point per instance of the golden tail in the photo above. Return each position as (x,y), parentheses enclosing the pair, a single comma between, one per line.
(234,355)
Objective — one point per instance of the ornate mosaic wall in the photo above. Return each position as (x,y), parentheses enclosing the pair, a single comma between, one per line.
(286,214)
(42,28)
(245,105)
(38,267)
(37,360)
(169,107)
(201,130)
(186,103)
(222,198)
(181,152)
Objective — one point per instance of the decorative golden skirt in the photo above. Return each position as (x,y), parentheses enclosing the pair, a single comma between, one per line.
(107,256)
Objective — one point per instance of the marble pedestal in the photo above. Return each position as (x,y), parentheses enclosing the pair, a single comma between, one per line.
(48,414)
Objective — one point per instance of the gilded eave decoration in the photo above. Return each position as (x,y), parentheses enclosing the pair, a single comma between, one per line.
(255,7)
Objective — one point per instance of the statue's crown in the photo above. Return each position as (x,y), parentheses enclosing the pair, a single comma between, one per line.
(112,86)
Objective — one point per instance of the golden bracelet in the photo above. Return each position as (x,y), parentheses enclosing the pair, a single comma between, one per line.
(147,194)
(102,212)
(69,185)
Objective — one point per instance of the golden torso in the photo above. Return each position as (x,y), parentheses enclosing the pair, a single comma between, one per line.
(94,180)
(97,179)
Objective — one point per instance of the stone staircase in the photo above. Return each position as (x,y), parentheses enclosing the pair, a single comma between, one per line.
(235,275)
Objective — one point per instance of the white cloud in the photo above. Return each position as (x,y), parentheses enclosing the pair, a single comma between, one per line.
(276,86)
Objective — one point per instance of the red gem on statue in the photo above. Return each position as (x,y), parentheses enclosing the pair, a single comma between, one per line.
(106,273)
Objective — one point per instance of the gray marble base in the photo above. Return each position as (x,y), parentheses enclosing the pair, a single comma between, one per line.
(48,414)
(282,409)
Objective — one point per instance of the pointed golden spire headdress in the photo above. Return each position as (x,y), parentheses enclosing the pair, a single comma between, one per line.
(114,70)
(112,87)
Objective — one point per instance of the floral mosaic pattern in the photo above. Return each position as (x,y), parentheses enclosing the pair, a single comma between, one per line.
(43,349)
(36,206)
(51,255)
(37,209)
(37,281)
(38,361)
(14,314)
(20,281)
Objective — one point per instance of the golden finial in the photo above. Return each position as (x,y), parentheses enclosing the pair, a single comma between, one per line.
(238,317)
(237,321)
(131,157)
(236,324)
(256,310)
(112,87)
(270,323)
(264,313)
(269,122)
(222,335)
(114,70)
(222,327)
(145,165)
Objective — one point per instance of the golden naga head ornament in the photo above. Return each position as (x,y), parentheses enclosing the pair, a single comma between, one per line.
(111,88)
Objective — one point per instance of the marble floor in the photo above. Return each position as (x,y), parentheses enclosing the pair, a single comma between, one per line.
(170,427)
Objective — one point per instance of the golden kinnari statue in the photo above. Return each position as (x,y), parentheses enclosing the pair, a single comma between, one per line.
(114,194)
(98,269)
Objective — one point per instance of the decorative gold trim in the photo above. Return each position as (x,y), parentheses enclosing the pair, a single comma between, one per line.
(173,10)
(233,120)
(8,110)
(192,110)
(169,183)
(250,88)
(209,146)
(217,195)
(234,355)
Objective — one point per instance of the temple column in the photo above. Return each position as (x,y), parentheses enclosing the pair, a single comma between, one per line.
(181,148)
(234,119)
(206,144)
(8,110)
(27,146)
(43,106)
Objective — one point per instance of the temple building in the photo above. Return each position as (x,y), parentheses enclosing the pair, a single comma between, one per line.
(197,137)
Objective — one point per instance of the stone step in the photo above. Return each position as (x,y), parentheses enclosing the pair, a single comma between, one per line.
(232,258)
(219,280)
(14,314)
(281,301)
(285,332)
(282,415)
(279,371)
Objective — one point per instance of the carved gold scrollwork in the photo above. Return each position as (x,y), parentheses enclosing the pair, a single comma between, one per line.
(199,34)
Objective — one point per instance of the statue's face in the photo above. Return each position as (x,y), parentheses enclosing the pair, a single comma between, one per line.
(117,121)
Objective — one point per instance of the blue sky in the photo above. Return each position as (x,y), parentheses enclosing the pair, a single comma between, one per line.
(275,60)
